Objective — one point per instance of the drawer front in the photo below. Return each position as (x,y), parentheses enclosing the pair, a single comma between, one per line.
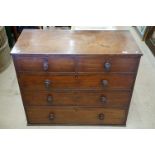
(45,64)
(52,82)
(112,99)
(70,115)
(107,64)
(64,63)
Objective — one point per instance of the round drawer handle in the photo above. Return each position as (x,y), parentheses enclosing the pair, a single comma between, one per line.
(45,66)
(49,99)
(103,99)
(104,83)
(107,66)
(51,116)
(47,84)
(101,116)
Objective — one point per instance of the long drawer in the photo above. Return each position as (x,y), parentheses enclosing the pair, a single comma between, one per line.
(108,99)
(72,115)
(65,63)
(102,81)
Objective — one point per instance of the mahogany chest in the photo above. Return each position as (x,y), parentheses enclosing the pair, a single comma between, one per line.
(76,77)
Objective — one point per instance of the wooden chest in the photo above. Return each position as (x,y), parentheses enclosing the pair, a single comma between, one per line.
(76,77)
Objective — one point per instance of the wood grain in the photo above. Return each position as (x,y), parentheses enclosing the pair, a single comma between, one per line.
(76,77)
(57,63)
(114,99)
(70,42)
(73,115)
(88,81)
(36,63)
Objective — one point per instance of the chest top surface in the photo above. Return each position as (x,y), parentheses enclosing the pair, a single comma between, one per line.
(76,42)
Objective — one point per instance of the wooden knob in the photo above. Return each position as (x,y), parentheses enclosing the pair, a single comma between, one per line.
(101,116)
(107,66)
(47,84)
(104,83)
(49,99)
(103,99)
(45,65)
(51,116)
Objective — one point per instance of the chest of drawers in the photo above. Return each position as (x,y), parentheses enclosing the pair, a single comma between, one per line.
(76,77)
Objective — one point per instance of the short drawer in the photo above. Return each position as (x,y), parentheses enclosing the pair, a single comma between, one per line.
(45,64)
(52,82)
(109,99)
(72,115)
(107,64)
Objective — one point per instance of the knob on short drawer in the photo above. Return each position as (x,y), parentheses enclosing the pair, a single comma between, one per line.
(45,65)
(101,116)
(104,83)
(107,66)
(51,116)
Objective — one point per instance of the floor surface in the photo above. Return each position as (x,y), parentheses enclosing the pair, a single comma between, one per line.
(142,107)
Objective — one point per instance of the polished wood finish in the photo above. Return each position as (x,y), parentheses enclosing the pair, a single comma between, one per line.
(54,63)
(76,77)
(76,42)
(111,99)
(88,81)
(63,63)
(75,115)
(98,64)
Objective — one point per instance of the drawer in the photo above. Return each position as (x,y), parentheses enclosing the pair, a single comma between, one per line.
(45,64)
(72,115)
(112,99)
(107,64)
(63,63)
(48,82)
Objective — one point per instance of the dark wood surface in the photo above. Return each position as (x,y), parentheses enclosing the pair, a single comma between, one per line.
(112,99)
(75,115)
(83,81)
(75,42)
(57,63)
(76,77)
